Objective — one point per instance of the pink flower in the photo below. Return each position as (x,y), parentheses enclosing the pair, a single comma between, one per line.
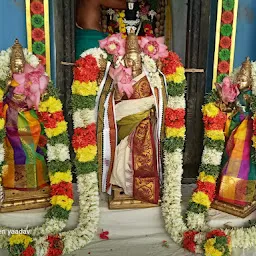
(122,76)
(154,47)
(32,83)
(114,44)
(229,91)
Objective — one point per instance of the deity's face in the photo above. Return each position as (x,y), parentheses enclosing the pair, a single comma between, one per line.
(133,60)
(17,66)
(244,82)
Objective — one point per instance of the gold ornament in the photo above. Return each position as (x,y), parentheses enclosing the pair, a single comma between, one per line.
(244,77)
(132,56)
(17,58)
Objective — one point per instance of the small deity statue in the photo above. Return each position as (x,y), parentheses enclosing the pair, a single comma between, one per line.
(134,163)
(25,167)
(238,177)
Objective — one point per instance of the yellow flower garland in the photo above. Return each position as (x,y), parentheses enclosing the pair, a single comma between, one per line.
(51,105)
(52,132)
(209,248)
(201,198)
(175,132)
(86,154)
(210,110)
(1,94)
(85,89)
(20,239)
(178,77)
(215,134)
(63,201)
(58,177)
(206,178)
(122,27)
(2,123)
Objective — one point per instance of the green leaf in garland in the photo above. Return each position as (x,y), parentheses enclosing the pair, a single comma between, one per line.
(213,96)
(171,144)
(2,134)
(224,54)
(16,249)
(197,208)
(220,78)
(60,139)
(56,212)
(53,91)
(176,89)
(210,170)
(3,85)
(37,21)
(82,102)
(110,58)
(214,144)
(226,30)
(228,5)
(253,103)
(58,166)
(87,167)
(38,47)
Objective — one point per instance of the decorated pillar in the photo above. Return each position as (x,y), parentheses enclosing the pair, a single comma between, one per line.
(38,33)
(225,39)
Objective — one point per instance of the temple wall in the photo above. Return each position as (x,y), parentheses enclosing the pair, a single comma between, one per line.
(12,23)
(246,32)
(179,22)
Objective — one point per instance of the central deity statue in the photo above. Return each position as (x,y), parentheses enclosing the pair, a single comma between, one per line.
(131,120)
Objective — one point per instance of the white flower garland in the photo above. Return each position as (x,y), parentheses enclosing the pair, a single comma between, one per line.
(97,53)
(150,66)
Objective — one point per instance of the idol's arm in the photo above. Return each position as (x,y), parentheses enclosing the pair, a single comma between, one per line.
(116,4)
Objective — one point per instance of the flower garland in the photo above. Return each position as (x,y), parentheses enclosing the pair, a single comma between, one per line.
(190,237)
(214,121)
(50,114)
(217,244)
(84,92)
(173,146)
(121,24)
(21,245)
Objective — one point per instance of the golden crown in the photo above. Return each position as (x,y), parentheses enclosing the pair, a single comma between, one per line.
(132,43)
(17,58)
(245,73)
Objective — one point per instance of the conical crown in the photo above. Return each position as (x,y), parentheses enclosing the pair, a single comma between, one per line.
(17,58)
(245,73)
(132,43)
